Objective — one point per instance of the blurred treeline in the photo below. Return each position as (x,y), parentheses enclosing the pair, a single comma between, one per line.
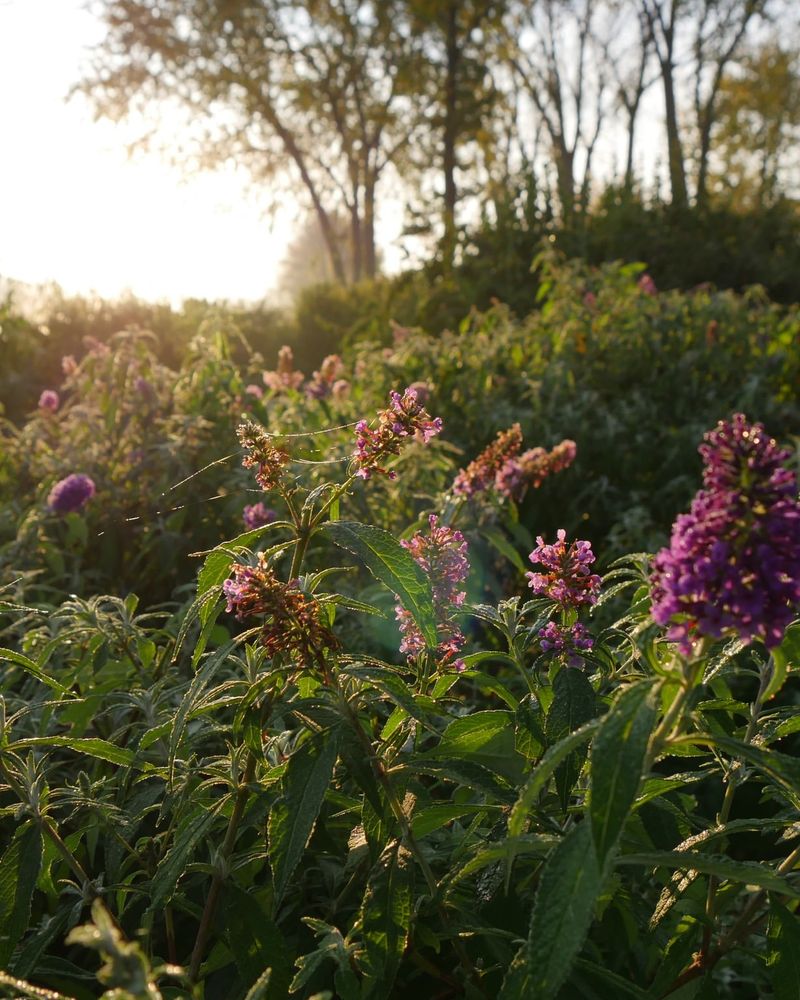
(662,131)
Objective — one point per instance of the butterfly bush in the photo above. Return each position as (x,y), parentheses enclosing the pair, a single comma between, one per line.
(733,562)
(71,494)
(532,467)
(322,382)
(501,467)
(482,471)
(293,622)
(442,555)
(404,419)
(569,582)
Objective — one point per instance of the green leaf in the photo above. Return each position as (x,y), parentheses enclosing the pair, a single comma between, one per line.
(293,817)
(783,958)
(173,865)
(486,738)
(19,870)
(390,563)
(618,755)
(744,872)
(785,656)
(542,774)
(573,705)
(434,817)
(385,919)
(496,538)
(32,668)
(255,942)
(259,989)
(562,913)
(91,746)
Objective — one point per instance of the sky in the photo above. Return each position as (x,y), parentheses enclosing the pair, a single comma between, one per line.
(75,210)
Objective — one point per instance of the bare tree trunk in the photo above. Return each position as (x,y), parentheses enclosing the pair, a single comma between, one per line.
(368,230)
(677,167)
(450,131)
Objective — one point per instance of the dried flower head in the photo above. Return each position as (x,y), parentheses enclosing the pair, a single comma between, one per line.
(71,494)
(733,562)
(293,620)
(262,454)
(404,419)
(482,471)
(569,582)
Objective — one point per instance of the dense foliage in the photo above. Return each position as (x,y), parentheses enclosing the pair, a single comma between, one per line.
(371,748)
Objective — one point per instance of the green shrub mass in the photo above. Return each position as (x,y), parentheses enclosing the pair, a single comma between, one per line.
(281,802)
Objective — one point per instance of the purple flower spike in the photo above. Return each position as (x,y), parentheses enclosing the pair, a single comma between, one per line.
(70,494)
(442,554)
(572,641)
(569,583)
(733,562)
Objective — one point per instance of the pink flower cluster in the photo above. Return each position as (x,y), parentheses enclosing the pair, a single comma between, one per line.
(482,471)
(263,455)
(442,554)
(285,376)
(49,401)
(569,582)
(500,466)
(327,382)
(404,419)
(571,641)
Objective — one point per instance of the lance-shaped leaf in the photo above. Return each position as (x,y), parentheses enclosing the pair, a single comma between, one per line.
(385,919)
(293,817)
(562,913)
(618,755)
(390,563)
(573,705)
(783,958)
(19,869)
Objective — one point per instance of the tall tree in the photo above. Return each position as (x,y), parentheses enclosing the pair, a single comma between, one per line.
(705,35)
(758,133)
(555,49)
(459,90)
(325,88)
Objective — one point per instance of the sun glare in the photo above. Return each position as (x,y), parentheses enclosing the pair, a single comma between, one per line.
(76,210)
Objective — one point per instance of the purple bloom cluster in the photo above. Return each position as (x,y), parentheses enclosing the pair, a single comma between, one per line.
(570,582)
(70,494)
(256,515)
(404,418)
(572,641)
(442,554)
(733,562)
(49,401)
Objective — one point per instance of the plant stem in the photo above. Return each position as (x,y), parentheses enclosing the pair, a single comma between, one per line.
(209,911)
(399,813)
(731,784)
